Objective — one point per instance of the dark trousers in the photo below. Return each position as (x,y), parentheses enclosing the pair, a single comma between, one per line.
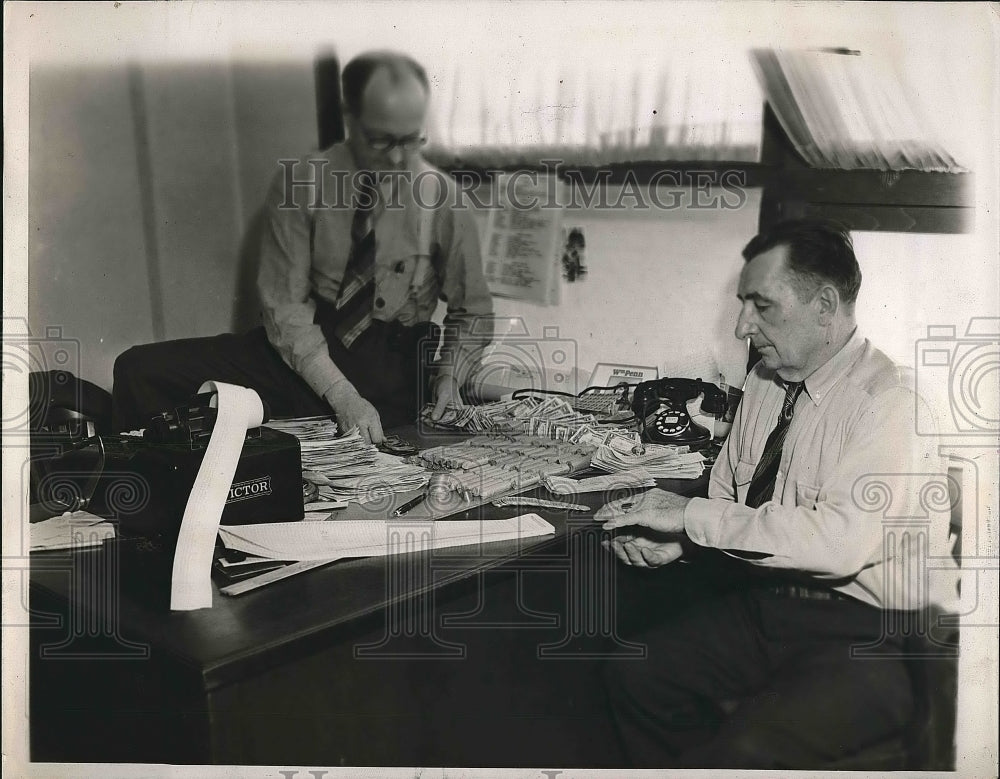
(388,364)
(801,698)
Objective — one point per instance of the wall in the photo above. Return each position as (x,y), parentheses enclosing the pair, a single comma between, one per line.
(144,191)
(145,185)
(660,288)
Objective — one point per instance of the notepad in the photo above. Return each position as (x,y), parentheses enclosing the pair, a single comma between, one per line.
(373,538)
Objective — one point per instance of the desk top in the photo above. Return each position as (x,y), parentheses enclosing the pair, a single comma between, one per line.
(264,627)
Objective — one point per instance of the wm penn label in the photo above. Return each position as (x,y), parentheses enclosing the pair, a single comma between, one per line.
(253,488)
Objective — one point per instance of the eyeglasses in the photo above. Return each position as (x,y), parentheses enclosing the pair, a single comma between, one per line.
(387,142)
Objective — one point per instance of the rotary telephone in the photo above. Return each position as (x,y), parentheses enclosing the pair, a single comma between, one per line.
(661,408)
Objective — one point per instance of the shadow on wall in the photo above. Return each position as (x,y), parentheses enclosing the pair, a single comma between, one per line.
(144,195)
(246,304)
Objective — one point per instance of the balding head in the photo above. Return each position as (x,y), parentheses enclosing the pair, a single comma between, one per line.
(385,95)
(392,96)
(395,68)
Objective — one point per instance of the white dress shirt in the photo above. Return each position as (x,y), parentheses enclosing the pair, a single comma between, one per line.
(860,501)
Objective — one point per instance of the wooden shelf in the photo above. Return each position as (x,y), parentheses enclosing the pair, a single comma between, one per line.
(891,201)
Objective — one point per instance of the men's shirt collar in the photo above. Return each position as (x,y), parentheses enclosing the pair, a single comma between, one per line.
(821,381)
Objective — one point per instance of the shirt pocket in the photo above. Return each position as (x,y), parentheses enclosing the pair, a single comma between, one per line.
(392,285)
(806,495)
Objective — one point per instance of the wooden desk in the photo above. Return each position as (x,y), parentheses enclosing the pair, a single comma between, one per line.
(482,656)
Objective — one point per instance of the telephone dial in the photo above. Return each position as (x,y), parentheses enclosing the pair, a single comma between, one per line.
(661,409)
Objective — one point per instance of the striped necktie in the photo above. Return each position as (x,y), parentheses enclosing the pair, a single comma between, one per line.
(357,290)
(762,485)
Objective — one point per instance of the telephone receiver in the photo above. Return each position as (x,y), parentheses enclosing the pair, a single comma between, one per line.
(661,408)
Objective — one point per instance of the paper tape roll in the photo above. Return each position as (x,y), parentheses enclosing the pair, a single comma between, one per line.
(239,409)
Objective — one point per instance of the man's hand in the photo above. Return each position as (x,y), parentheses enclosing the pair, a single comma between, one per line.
(352,410)
(656,509)
(643,552)
(445,394)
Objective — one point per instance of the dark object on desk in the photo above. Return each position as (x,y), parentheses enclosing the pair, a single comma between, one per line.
(661,407)
(267,485)
(144,481)
(608,405)
(62,407)
(410,504)
(232,566)
(400,447)
(64,415)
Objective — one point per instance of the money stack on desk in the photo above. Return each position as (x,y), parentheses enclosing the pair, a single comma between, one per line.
(552,417)
(346,468)
(486,467)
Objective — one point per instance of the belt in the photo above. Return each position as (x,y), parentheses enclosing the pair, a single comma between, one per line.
(805,592)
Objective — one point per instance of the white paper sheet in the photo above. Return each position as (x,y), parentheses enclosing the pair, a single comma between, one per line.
(373,538)
(71,530)
(239,409)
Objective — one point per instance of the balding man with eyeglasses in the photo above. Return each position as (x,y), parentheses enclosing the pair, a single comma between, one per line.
(360,242)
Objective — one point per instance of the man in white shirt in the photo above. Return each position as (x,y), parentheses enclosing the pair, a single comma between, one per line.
(825,419)
(352,266)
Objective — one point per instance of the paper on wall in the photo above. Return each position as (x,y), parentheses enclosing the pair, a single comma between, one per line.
(239,409)
(522,245)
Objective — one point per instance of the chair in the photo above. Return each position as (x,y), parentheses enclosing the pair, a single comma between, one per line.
(928,741)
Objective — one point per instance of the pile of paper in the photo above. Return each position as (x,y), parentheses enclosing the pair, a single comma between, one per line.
(372,477)
(348,468)
(658,460)
(72,530)
(371,538)
(306,428)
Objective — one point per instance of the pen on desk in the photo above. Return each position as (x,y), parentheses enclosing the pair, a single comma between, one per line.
(409,505)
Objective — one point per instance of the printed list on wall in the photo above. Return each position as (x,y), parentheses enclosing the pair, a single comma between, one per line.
(524,240)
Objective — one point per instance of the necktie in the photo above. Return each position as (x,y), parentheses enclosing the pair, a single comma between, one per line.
(357,290)
(762,484)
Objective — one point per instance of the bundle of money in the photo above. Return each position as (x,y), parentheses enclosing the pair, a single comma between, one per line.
(658,460)
(348,467)
(551,417)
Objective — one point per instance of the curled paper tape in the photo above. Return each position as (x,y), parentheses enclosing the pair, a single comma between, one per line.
(239,409)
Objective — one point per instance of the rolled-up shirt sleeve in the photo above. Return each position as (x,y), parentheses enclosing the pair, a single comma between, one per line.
(284,287)
(468,321)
